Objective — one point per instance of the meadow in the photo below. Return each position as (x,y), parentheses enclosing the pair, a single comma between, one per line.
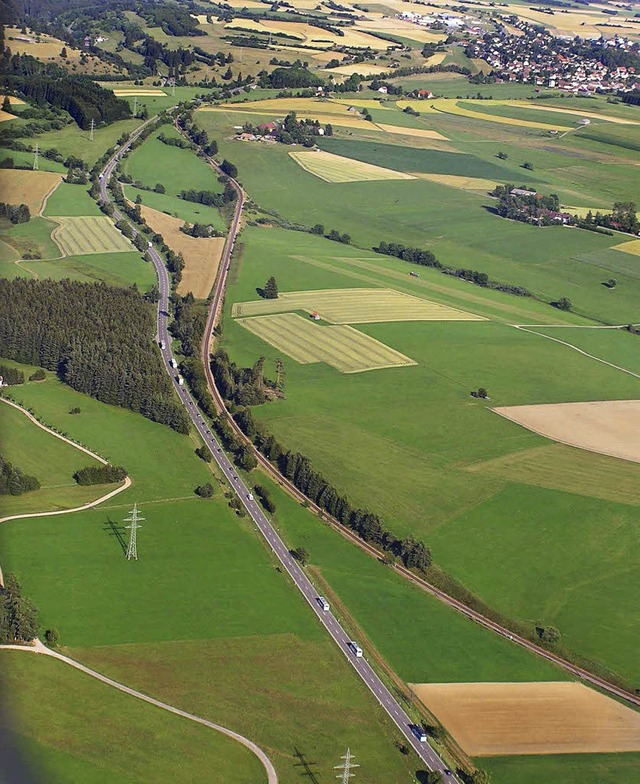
(52,461)
(209,601)
(417,458)
(78,236)
(55,710)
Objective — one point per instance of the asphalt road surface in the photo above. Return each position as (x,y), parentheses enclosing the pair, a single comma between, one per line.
(360,664)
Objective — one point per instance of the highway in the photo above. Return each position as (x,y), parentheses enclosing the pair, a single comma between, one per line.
(360,664)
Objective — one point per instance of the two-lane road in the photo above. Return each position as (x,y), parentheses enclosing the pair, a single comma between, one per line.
(424,751)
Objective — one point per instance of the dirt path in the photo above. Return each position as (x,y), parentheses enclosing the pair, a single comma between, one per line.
(46,199)
(38,647)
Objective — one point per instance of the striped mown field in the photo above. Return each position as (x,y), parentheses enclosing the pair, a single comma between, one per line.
(335,168)
(355,306)
(96,234)
(342,347)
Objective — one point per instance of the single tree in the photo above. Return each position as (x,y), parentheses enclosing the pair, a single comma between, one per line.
(205,491)
(502,155)
(563,303)
(527,165)
(271,289)
(612,283)
(63,53)
(51,638)
(6,104)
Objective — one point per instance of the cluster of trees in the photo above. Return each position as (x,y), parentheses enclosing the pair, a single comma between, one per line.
(242,386)
(97,338)
(174,141)
(335,235)
(18,615)
(13,481)
(264,496)
(188,323)
(530,207)
(295,76)
(294,131)
(16,213)
(172,20)
(210,198)
(100,475)
(200,230)
(82,98)
(298,469)
(623,217)
(425,258)
(11,376)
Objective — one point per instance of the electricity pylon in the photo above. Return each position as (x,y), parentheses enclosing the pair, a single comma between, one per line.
(92,127)
(134,518)
(346,768)
(35,157)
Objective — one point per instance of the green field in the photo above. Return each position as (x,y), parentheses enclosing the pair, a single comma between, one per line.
(411,457)
(86,235)
(567,768)
(55,711)
(71,200)
(215,627)
(52,461)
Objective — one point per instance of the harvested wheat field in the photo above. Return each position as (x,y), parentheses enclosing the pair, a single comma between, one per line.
(201,255)
(632,246)
(20,186)
(4,116)
(422,133)
(364,69)
(335,168)
(85,235)
(498,719)
(473,184)
(123,93)
(342,347)
(609,427)
(355,306)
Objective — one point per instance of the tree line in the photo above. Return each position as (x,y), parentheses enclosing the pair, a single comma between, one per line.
(425,258)
(13,481)
(210,198)
(97,338)
(11,376)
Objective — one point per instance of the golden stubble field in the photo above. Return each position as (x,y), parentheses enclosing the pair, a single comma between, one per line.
(609,427)
(20,186)
(498,719)
(201,255)
(336,168)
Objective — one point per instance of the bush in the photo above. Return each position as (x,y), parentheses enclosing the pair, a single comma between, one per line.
(39,375)
(205,491)
(51,638)
(74,410)
(301,555)
(204,454)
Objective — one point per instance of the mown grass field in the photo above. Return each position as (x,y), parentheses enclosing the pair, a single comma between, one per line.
(78,236)
(55,711)
(215,627)
(417,457)
(333,168)
(340,346)
(568,768)
(71,201)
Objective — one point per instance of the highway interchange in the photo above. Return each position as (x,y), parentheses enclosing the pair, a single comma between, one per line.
(422,748)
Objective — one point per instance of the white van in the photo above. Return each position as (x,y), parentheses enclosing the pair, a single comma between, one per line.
(324,604)
(356,649)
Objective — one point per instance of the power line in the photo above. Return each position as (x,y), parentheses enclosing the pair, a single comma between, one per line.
(134,518)
(346,768)
(92,127)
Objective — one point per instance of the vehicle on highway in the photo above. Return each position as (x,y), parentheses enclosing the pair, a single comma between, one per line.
(356,649)
(150,245)
(323,603)
(250,496)
(180,381)
(419,732)
(162,345)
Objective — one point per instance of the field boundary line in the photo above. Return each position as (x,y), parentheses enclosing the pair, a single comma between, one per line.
(579,350)
(126,483)
(39,648)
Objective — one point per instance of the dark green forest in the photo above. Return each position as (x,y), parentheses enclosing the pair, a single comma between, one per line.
(97,338)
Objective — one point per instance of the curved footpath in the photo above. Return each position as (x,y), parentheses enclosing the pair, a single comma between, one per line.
(272,776)
(106,497)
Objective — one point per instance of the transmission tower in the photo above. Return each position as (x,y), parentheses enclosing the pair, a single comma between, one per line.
(92,127)
(134,518)
(346,768)
(35,157)
(173,89)
(135,105)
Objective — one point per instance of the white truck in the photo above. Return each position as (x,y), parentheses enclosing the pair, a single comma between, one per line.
(173,363)
(324,604)
(180,381)
(355,649)
(162,345)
